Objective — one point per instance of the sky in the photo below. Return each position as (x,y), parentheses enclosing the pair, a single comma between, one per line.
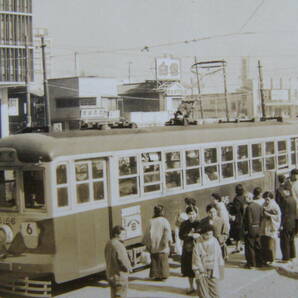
(110,35)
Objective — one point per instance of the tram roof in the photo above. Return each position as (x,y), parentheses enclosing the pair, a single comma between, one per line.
(45,147)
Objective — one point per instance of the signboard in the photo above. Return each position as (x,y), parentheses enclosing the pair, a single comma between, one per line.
(132,221)
(94,113)
(168,69)
(13,107)
(281,95)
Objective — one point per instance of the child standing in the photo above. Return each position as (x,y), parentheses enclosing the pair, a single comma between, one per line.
(207,263)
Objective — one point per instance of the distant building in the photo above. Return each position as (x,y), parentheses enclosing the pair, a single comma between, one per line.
(75,99)
(17,109)
(150,96)
(15,29)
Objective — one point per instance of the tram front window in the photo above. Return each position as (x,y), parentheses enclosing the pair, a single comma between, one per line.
(33,189)
(7,189)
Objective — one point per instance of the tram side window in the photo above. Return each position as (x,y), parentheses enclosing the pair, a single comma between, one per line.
(193,168)
(62,185)
(282,156)
(270,156)
(98,170)
(7,189)
(173,174)
(90,180)
(151,163)
(210,159)
(128,176)
(227,165)
(257,161)
(82,185)
(242,160)
(34,189)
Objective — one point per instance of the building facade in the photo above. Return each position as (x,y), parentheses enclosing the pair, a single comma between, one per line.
(16,51)
(77,99)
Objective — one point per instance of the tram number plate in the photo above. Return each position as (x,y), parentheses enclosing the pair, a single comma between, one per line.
(29,229)
(8,220)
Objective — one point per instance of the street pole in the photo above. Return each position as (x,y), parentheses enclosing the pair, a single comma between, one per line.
(199,89)
(45,85)
(225,90)
(27,80)
(129,71)
(155,66)
(261,89)
(77,66)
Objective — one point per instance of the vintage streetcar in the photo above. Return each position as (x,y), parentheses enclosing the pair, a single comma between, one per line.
(62,192)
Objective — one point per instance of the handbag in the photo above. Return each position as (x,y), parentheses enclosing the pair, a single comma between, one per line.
(145,258)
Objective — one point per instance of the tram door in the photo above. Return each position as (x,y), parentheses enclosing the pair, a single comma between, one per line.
(92,236)
(92,224)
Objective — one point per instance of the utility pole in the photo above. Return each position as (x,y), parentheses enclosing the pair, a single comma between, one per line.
(129,71)
(45,85)
(225,89)
(155,66)
(77,63)
(27,80)
(261,89)
(199,89)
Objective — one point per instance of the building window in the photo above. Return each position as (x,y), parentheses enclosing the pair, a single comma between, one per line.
(88,101)
(67,102)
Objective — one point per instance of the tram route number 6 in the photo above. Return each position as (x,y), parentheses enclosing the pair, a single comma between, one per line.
(29,229)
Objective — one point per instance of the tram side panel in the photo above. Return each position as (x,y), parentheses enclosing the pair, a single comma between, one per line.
(80,240)
(129,215)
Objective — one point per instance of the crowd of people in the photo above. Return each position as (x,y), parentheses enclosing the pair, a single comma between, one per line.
(254,220)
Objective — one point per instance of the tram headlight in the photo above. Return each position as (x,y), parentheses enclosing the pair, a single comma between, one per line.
(30,232)
(6,234)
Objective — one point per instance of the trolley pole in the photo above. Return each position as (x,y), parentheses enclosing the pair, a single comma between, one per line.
(225,90)
(199,90)
(261,89)
(27,80)
(45,85)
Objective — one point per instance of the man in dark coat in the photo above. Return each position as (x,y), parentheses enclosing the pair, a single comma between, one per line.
(117,263)
(252,223)
(287,205)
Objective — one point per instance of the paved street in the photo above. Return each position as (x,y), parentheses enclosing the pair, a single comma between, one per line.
(238,283)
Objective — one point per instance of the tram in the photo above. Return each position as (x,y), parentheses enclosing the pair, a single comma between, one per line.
(62,192)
